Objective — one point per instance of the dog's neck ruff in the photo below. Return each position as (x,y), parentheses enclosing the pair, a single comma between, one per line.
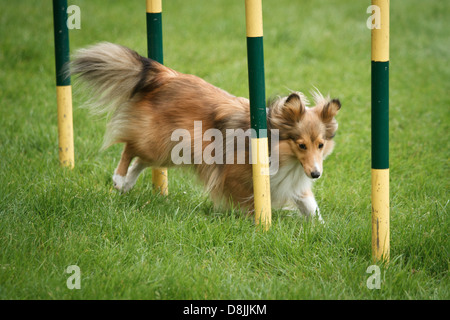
(288,183)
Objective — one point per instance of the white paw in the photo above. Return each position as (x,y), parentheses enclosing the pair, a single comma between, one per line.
(309,208)
(315,213)
(128,185)
(319,217)
(119,182)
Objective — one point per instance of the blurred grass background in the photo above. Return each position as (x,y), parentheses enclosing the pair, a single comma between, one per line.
(140,246)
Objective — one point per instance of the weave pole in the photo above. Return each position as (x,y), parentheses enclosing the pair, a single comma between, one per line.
(259,140)
(63,86)
(155,51)
(380,135)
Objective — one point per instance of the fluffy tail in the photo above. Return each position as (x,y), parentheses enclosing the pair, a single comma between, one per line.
(115,75)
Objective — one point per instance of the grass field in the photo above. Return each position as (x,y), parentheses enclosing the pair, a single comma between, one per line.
(141,246)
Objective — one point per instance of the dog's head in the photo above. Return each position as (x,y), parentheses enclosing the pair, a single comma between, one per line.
(306,134)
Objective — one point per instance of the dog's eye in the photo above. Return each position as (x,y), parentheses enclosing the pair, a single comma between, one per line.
(302,146)
(320,145)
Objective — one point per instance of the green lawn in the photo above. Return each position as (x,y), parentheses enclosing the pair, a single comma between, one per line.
(141,246)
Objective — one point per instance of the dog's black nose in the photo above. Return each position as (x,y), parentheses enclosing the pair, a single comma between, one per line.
(315,174)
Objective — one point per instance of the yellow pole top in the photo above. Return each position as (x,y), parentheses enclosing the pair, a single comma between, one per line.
(154,6)
(253,17)
(380,36)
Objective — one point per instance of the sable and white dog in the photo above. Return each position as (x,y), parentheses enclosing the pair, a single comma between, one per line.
(147,102)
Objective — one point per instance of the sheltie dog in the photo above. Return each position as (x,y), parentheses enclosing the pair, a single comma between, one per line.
(147,101)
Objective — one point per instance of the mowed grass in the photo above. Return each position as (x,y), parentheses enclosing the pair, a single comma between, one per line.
(142,246)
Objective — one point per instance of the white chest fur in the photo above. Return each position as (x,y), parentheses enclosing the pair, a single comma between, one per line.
(288,184)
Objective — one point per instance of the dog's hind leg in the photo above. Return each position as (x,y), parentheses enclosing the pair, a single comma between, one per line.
(119,177)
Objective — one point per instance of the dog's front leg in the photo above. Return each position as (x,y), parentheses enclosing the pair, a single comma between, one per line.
(133,173)
(307,205)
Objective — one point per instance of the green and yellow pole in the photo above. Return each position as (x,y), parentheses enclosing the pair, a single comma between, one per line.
(63,86)
(380,135)
(155,51)
(260,145)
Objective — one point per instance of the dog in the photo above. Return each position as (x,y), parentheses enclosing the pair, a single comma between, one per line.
(147,101)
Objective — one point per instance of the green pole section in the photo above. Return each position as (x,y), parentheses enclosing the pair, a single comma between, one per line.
(255,58)
(380,114)
(61,41)
(154,36)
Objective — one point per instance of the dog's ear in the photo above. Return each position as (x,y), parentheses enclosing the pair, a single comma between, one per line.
(327,114)
(293,108)
(284,113)
(330,109)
